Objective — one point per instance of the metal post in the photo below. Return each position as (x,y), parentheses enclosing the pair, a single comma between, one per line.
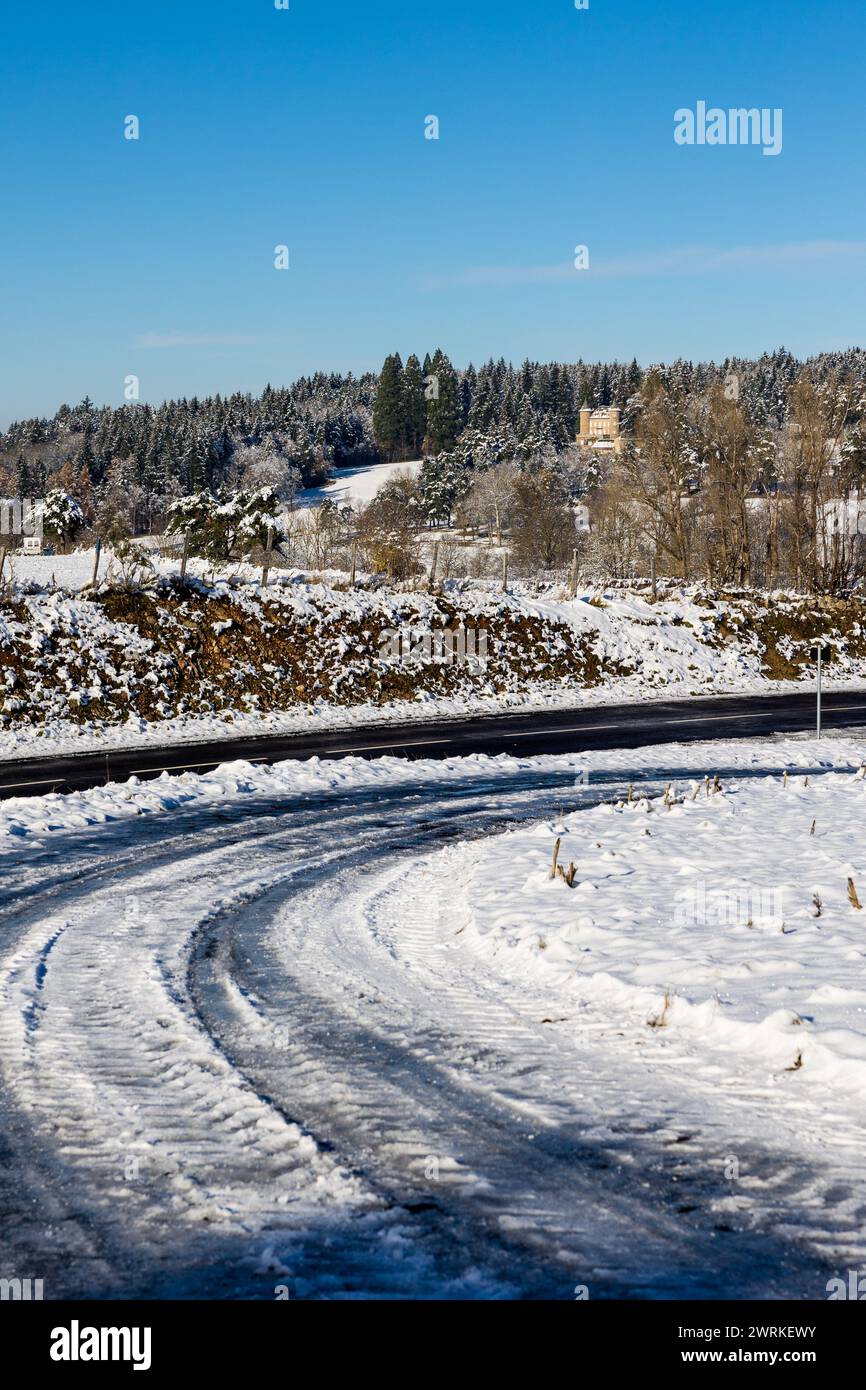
(96,555)
(819,693)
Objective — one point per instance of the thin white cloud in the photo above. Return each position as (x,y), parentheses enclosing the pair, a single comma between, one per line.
(684,260)
(195,340)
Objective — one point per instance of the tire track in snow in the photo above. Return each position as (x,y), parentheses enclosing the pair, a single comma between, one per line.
(119,1075)
(231,1193)
(134,1098)
(414,1065)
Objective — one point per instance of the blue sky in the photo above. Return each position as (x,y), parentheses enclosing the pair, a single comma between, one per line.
(306,127)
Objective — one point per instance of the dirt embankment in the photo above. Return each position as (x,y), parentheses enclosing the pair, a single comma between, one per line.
(173,650)
(108,655)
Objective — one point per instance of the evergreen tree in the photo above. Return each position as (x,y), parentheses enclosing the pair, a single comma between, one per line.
(524,425)
(87,459)
(468,388)
(23,483)
(441,484)
(414,406)
(564,405)
(443,405)
(389,419)
(483,410)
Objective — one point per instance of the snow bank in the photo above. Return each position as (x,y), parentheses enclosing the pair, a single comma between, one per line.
(27,817)
(721,920)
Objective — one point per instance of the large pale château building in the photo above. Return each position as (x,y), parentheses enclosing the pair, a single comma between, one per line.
(599,429)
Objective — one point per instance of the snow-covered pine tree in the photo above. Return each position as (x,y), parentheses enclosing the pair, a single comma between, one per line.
(443,405)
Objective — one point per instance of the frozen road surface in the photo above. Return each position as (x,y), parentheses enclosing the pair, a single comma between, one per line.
(246,1053)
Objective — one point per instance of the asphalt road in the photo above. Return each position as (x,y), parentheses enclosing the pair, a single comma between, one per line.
(560,731)
(242,1044)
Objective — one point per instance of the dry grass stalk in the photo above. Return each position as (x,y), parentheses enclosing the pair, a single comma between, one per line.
(660,1020)
(555,857)
(852,896)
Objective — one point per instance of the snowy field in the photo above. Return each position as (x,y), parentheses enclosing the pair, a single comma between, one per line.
(355,487)
(332,1029)
(66,571)
(740,947)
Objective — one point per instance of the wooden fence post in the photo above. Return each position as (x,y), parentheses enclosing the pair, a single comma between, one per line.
(433,563)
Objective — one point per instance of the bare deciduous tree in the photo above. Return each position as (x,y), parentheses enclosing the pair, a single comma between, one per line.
(490,500)
(659,465)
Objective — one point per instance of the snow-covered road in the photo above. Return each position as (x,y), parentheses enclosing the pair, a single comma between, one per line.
(242,1051)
